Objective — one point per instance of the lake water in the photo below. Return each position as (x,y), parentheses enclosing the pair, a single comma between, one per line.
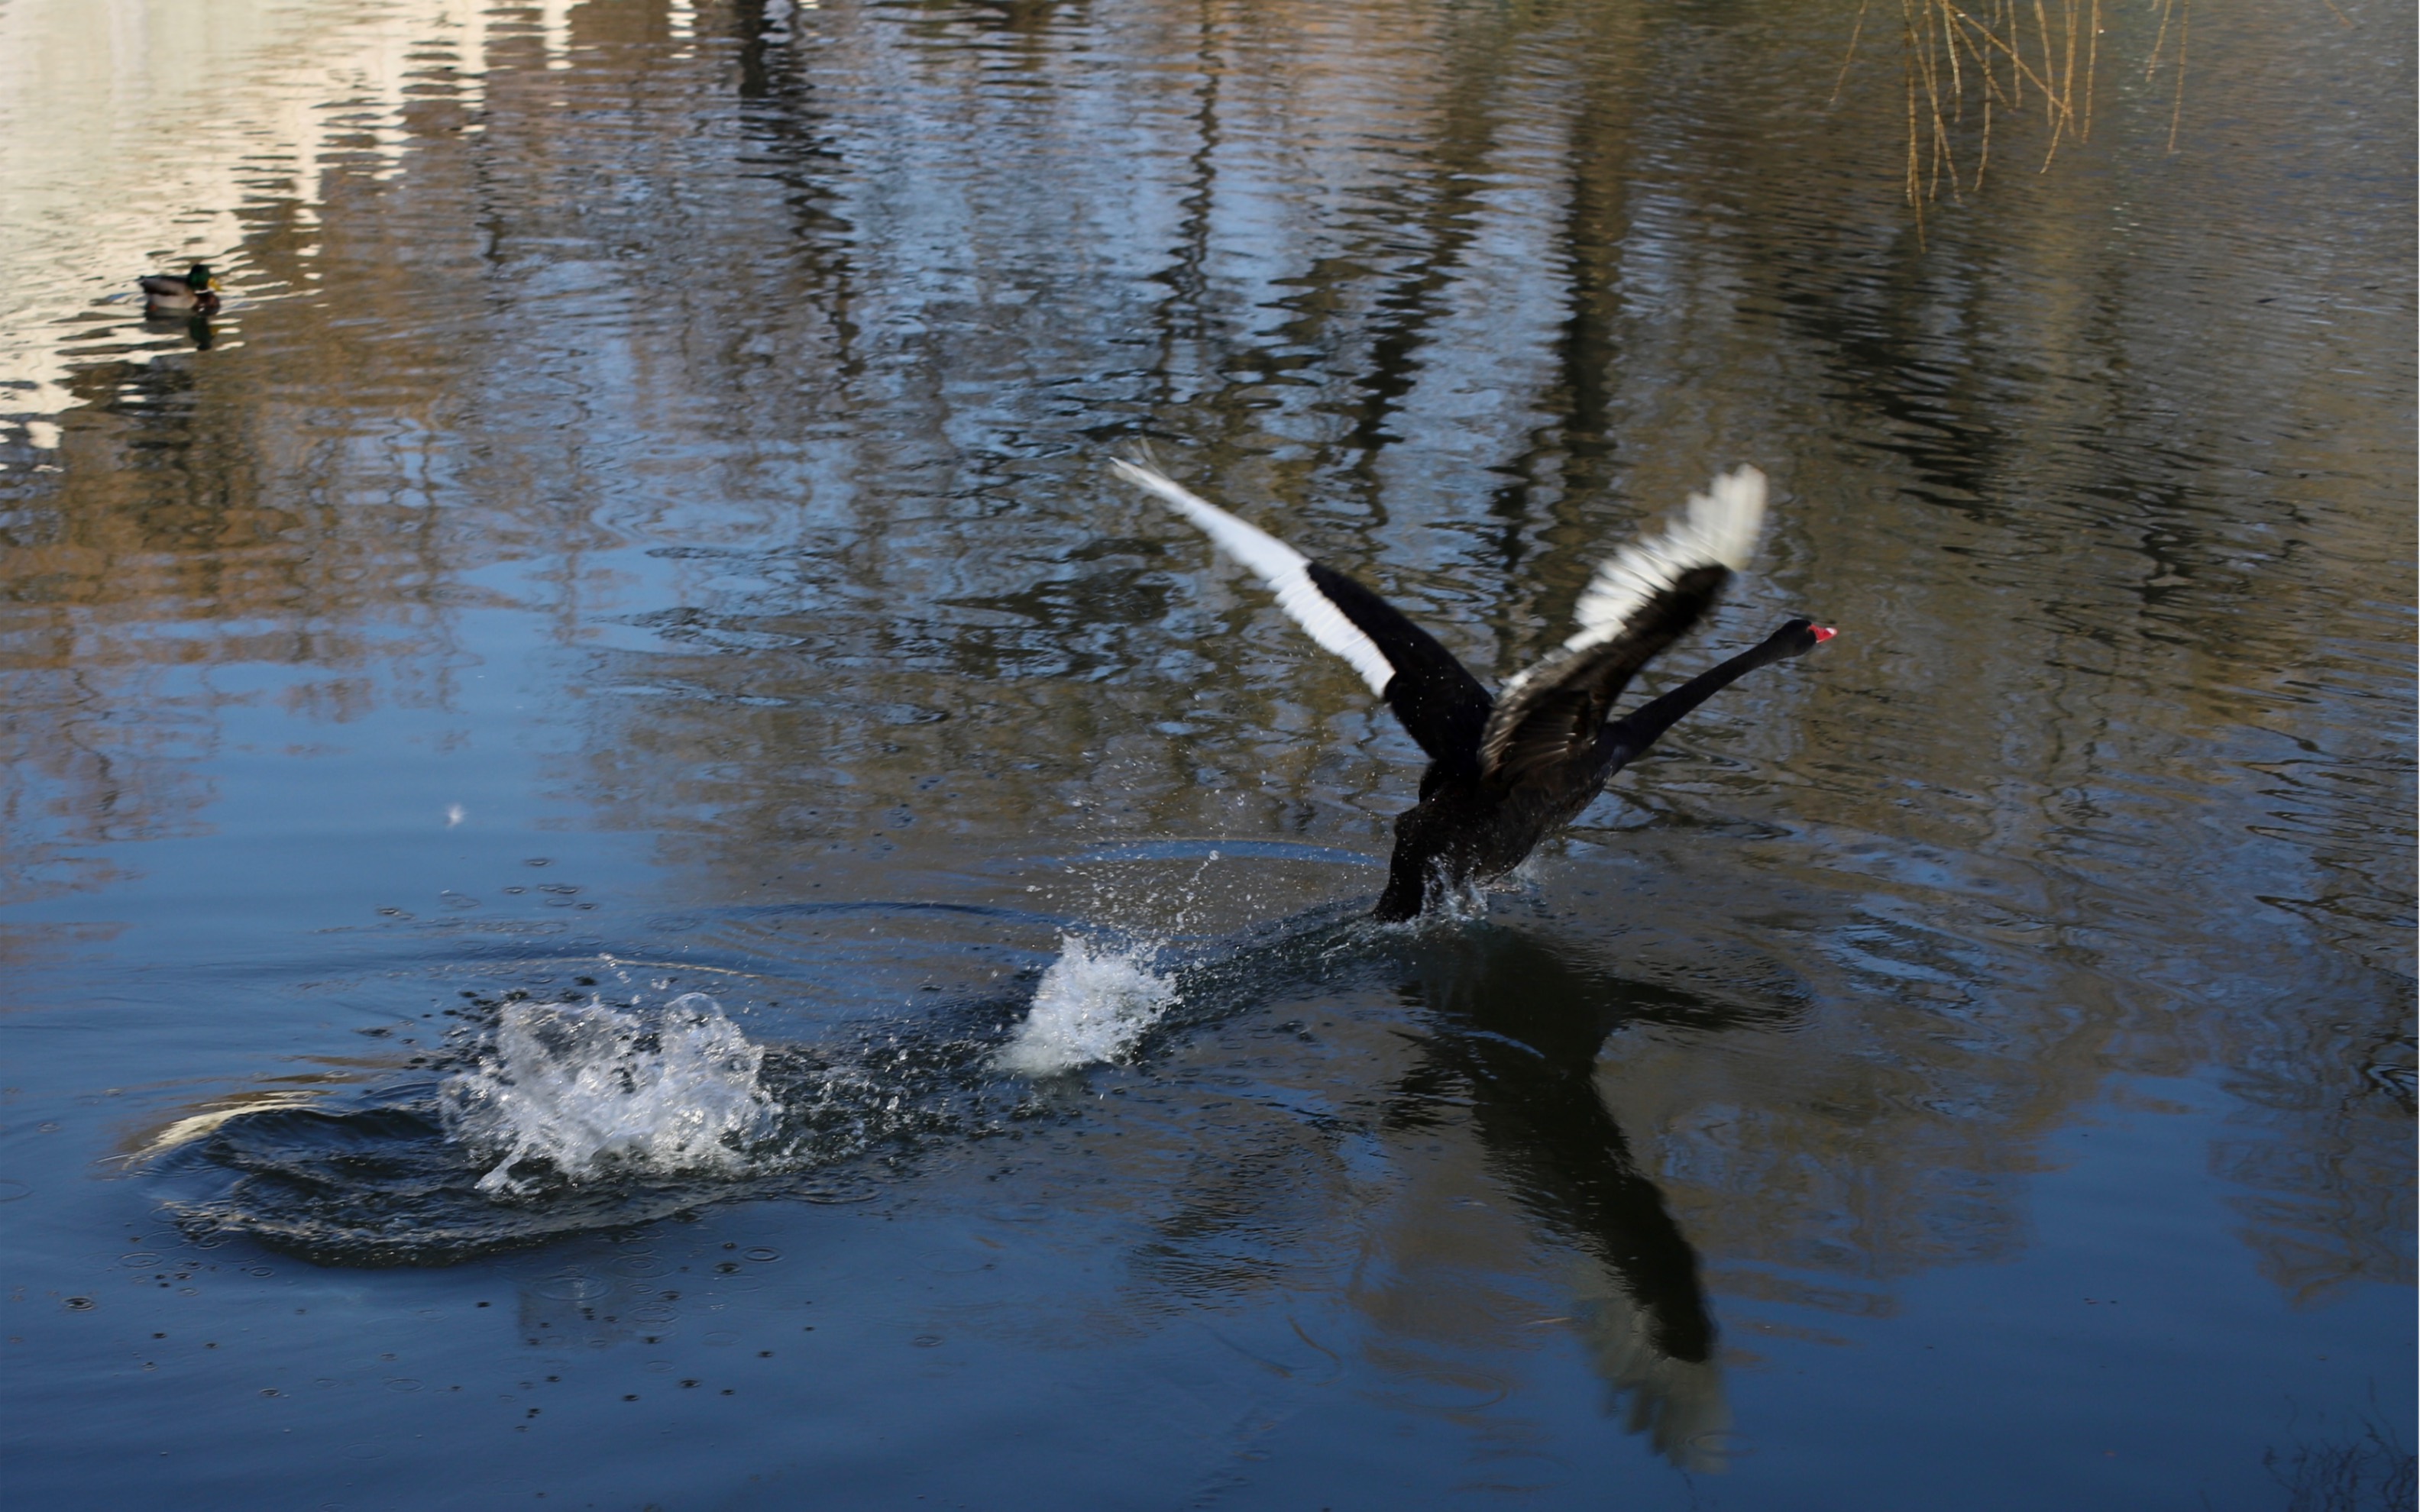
(630,881)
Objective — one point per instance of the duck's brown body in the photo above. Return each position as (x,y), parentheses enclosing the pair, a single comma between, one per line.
(195,293)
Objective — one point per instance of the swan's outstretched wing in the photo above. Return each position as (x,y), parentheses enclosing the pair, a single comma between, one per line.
(1432,694)
(1640,602)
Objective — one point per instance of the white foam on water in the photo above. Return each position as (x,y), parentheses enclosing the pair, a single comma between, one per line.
(1467,902)
(1092,1004)
(588,1087)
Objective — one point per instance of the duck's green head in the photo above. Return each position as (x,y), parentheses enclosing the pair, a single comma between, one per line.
(200,279)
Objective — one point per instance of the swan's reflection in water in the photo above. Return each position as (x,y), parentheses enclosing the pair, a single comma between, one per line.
(1518,1023)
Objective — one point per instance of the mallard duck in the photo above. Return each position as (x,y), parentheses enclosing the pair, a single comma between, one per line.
(197,292)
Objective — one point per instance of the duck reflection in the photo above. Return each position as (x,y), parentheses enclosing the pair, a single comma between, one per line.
(196,326)
(1518,1025)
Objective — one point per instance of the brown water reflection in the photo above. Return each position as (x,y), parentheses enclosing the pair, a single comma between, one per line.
(686,423)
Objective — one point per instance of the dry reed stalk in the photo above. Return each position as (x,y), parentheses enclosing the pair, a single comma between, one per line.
(2051,47)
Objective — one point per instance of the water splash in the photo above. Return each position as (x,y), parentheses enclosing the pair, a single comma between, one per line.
(1093,1003)
(566,1091)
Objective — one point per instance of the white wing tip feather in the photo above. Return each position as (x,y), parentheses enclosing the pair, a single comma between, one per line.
(1283,568)
(1720,528)
(1152,481)
(1730,517)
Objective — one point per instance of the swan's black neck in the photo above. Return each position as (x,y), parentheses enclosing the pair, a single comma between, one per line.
(1627,738)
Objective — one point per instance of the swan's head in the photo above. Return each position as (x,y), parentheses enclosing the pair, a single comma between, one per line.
(1799,637)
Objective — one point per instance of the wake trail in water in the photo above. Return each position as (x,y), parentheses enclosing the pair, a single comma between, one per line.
(546,1118)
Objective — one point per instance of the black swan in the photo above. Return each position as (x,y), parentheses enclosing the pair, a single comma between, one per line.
(1505,771)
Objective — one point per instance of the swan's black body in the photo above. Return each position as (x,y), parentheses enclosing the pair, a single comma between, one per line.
(1471,828)
(1505,771)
